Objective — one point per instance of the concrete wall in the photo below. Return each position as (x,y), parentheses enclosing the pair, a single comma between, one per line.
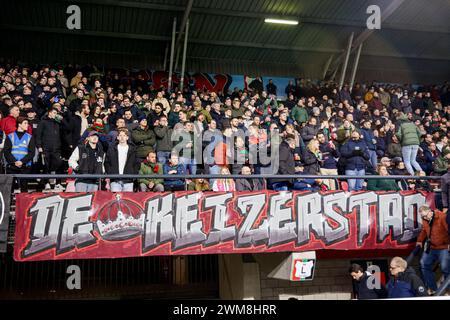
(238,280)
(243,278)
(331,281)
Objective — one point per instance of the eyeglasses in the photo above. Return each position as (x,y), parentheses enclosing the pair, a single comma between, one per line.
(392,268)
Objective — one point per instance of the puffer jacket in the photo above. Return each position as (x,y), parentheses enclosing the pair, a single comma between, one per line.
(408,133)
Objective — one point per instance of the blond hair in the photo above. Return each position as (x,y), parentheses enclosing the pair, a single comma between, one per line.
(311,144)
(400,262)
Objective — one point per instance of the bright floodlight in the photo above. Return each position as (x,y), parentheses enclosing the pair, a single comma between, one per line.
(280,21)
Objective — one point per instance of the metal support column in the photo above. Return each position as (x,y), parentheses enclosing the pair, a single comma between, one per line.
(177,58)
(355,67)
(183,61)
(174,32)
(166,52)
(327,66)
(334,73)
(347,55)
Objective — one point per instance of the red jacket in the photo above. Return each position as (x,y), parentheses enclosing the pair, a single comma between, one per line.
(439,231)
(8,125)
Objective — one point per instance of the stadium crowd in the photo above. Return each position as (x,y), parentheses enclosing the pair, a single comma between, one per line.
(66,119)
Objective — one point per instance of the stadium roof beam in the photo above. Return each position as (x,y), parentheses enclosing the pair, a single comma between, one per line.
(211,42)
(256,15)
(186,14)
(394,5)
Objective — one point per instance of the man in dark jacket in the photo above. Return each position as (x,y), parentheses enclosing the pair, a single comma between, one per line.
(164,143)
(144,138)
(361,280)
(404,282)
(87,158)
(371,142)
(248,184)
(121,159)
(355,153)
(48,142)
(329,163)
(19,151)
(286,164)
(271,88)
(445,193)
(310,131)
(79,122)
(256,85)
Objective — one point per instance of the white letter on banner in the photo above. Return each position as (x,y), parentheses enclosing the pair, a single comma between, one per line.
(280,215)
(340,233)
(390,216)
(218,232)
(362,202)
(47,214)
(309,217)
(246,235)
(412,225)
(188,227)
(158,226)
(76,229)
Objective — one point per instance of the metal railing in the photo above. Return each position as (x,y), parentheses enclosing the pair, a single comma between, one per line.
(187,177)
(215,176)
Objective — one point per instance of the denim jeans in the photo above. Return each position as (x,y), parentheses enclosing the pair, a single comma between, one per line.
(355,184)
(85,187)
(409,154)
(280,186)
(120,186)
(373,158)
(426,266)
(190,164)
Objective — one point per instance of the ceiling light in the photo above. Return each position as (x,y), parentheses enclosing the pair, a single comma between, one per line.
(280,21)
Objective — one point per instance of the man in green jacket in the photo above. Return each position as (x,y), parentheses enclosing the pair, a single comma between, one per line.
(409,136)
(144,138)
(299,113)
(151,167)
(440,165)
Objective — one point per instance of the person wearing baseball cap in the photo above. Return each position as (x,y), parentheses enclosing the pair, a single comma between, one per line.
(88,158)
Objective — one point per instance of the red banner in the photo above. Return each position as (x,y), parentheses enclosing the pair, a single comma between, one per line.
(109,225)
